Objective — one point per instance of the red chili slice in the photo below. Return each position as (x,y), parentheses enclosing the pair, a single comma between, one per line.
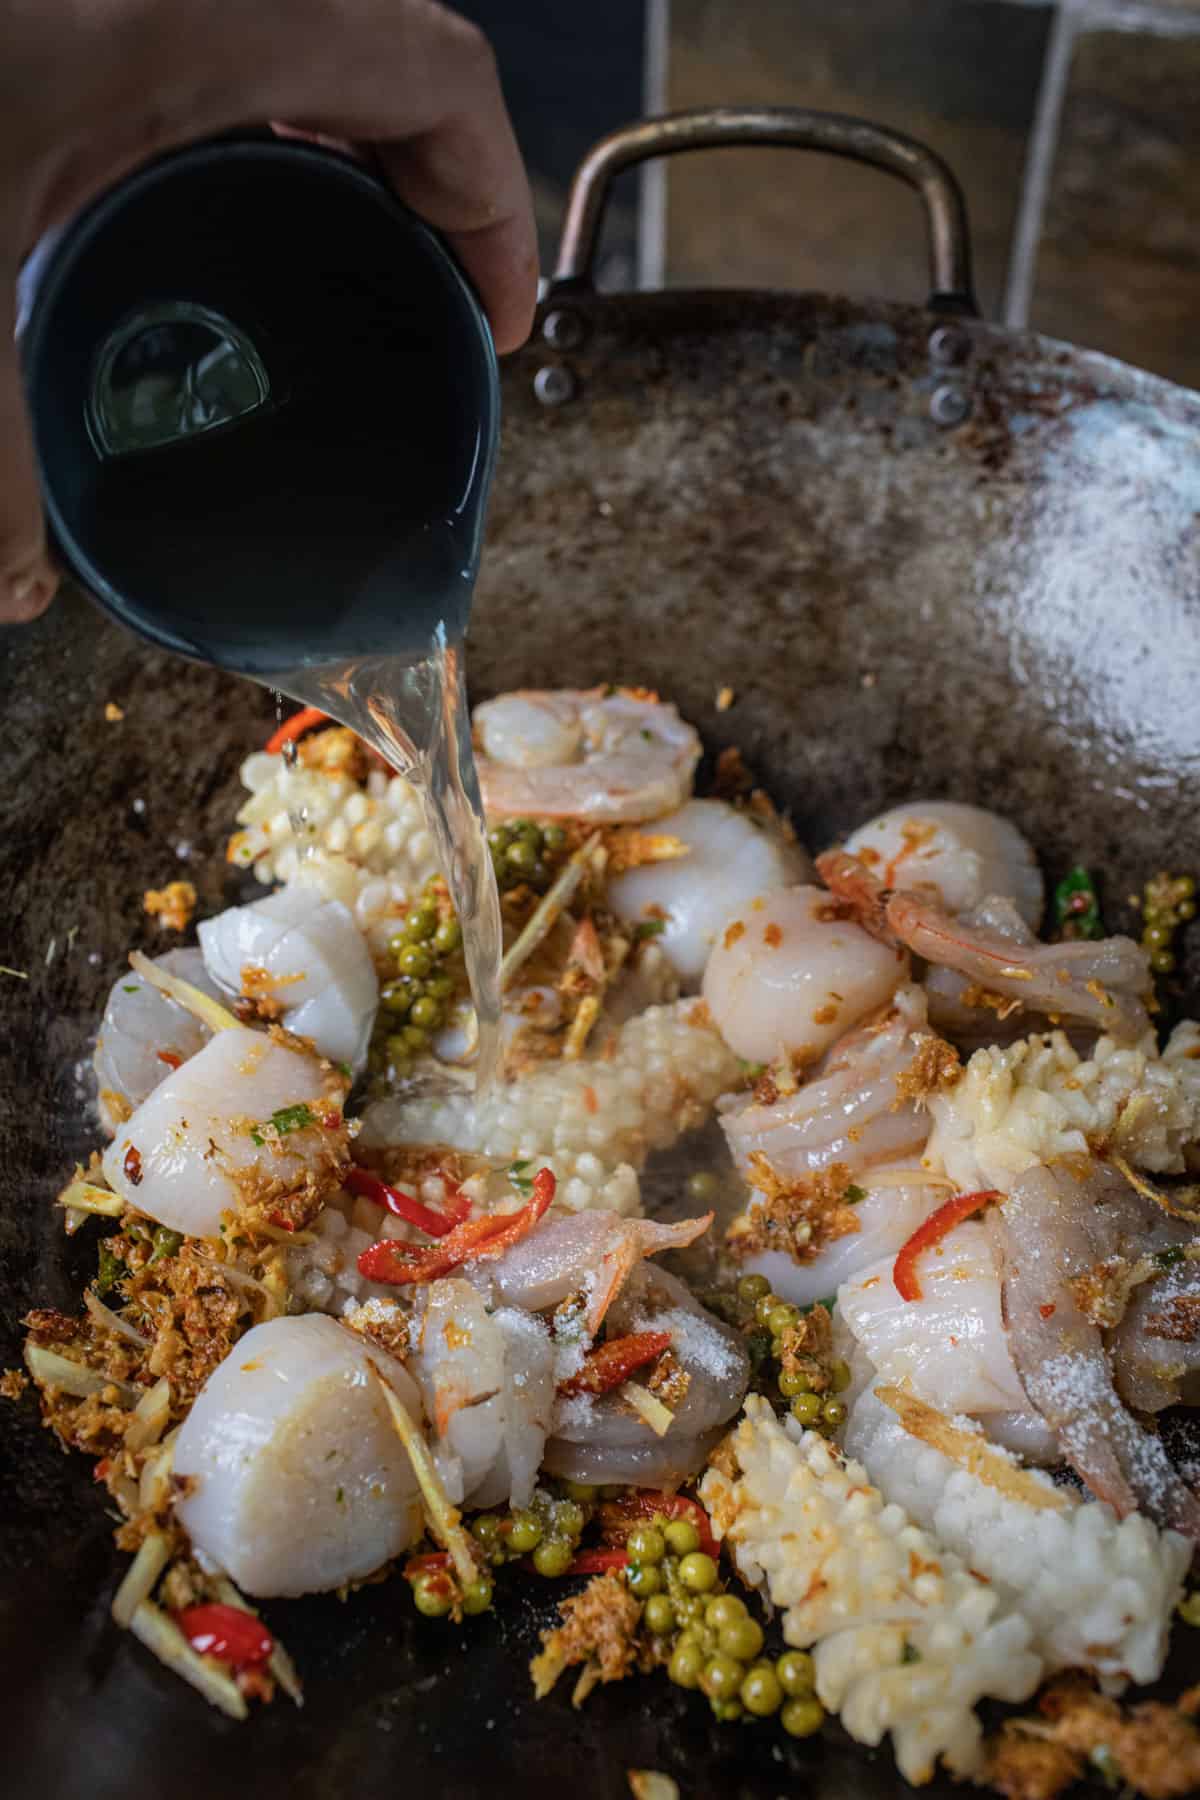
(648,1503)
(170,1058)
(404,1206)
(598,1562)
(398,1264)
(226,1632)
(904,1271)
(611,1363)
(296,726)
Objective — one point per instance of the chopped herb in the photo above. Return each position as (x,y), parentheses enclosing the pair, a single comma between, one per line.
(288,1118)
(855,1194)
(911,1654)
(751,1070)
(1106,1766)
(345,1069)
(1077,907)
(111,1270)
(610,689)
(166,1243)
(519,1179)
(648,735)
(130,987)
(648,928)
(758,1348)
(829,1302)
(340,1496)
(1166,1259)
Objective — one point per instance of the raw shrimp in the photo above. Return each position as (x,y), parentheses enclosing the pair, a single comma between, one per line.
(962,853)
(588,1253)
(1046,1235)
(895,1201)
(487,1378)
(144,1034)
(951,1344)
(189,1152)
(293,1478)
(850,1111)
(601,1439)
(610,756)
(791,974)
(732,856)
(306,957)
(1104,983)
(1156,1347)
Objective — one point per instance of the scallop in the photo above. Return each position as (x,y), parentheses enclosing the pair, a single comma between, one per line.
(732,856)
(789,974)
(964,852)
(306,954)
(296,1479)
(189,1152)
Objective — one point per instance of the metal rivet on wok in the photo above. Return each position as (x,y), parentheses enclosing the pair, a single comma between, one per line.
(949,344)
(554,385)
(949,405)
(563,329)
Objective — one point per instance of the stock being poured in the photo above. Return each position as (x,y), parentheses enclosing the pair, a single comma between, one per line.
(266,408)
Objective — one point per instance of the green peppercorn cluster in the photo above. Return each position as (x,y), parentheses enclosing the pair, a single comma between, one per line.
(810,1395)
(426,954)
(1168,901)
(525,853)
(706,1636)
(435,1594)
(547,1531)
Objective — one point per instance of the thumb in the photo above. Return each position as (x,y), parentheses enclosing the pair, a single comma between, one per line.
(27,578)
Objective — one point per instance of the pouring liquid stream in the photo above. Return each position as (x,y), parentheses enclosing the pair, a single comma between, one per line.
(413,711)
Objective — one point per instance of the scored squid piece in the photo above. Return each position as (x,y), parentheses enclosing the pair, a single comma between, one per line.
(792,973)
(304,955)
(245,1120)
(732,856)
(295,1479)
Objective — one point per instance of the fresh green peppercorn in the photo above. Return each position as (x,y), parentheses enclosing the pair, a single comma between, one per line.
(646,1544)
(553,837)
(1156,937)
(741,1638)
(421,922)
(702,1187)
(526,1533)
(760,1692)
(796,1672)
(395,997)
(681,1537)
(426,1013)
(579,1490)
(499,837)
(800,1718)
(833,1412)
(645,1579)
(397,1046)
(553,1556)
(726,1710)
(806,1409)
(659,1615)
(397,943)
(1189,1608)
(477,1595)
(793,1382)
(753,1288)
(521,856)
(431,1596)
(721,1677)
(447,937)
(839,1376)
(1187,910)
(569,1518)
(724,1609)
(686,1664)
(414,959)
(765,1307)
(439,987)
(781,1319)
(416,1038)
(1162,962)
(486,1530)
(698,1572)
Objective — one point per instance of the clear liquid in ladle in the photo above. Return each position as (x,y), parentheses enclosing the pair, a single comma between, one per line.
(413,711)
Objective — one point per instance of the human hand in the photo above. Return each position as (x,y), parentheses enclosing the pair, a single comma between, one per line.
(88,92)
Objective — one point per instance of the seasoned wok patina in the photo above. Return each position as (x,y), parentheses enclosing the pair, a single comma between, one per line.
(926,556)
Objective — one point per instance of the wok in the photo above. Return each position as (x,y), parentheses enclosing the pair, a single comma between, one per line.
(928,556)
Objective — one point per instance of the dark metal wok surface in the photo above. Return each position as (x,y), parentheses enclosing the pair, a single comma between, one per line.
(744,490)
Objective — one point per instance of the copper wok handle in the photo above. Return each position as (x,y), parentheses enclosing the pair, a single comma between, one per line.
(794,127)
